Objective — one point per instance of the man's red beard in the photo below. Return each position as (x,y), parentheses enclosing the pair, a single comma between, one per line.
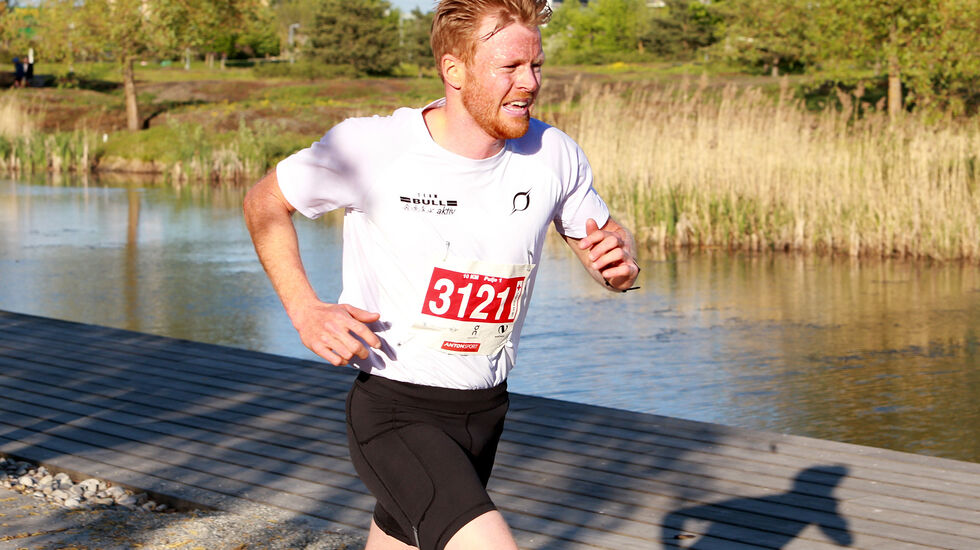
(486,113)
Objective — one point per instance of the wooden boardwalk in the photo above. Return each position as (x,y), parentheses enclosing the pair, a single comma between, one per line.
(217,425)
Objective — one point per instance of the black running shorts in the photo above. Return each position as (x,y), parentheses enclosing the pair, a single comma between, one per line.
(425,453)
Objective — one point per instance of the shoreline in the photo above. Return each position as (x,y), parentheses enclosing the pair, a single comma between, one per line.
(691,165)
(119,171)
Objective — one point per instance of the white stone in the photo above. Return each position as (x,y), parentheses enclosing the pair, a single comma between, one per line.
(126,500)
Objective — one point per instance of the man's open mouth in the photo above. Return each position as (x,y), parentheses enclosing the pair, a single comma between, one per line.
(519,107)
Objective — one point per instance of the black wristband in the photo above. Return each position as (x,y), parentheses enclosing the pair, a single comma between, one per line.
(628,289)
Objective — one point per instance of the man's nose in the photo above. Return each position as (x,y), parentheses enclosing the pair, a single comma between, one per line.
(529,79)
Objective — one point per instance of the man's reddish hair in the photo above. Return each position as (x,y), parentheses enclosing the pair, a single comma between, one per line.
(456,23)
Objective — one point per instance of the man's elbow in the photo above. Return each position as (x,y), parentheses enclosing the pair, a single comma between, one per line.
(263,195)
(266,214)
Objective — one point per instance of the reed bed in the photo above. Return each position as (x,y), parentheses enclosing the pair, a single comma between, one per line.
(183,152)
(686,166)
(243,156)
(24,150)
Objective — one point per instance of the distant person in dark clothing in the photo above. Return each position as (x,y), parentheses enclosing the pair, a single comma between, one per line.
(18,73)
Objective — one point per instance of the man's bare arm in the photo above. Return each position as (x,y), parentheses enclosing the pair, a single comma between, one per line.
(330,330)
(608,254)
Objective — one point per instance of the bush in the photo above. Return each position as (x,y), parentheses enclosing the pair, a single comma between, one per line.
(302,68)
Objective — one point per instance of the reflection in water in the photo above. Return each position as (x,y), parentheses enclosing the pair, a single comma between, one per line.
(879,353)
(131,286)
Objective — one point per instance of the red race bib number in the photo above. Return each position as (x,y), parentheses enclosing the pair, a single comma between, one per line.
(472,297)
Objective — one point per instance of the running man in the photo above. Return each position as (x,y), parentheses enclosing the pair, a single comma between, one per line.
(446,212)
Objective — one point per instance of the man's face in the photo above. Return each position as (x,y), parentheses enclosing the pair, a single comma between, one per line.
(503,78)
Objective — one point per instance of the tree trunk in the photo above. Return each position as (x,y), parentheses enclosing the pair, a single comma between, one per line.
(894,87)
(775,68)
(894,77)
(129,92)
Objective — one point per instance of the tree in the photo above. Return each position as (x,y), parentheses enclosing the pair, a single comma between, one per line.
(128,29)
(233,28)
(601,31)
(872,32)
(18,27)
(956,65)
(773,33)
(6,19)
(360,33)
(416,46)
(928,47)
(258,37)
(567,37)
(681,28)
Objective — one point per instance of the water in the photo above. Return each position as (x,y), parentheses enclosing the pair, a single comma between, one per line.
(880,353)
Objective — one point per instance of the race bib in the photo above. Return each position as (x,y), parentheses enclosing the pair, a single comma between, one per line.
(470,306)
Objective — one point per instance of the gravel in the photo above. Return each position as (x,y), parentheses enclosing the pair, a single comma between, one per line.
(44,510)
(37,481)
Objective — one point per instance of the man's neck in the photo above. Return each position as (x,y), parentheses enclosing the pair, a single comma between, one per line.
(452,128)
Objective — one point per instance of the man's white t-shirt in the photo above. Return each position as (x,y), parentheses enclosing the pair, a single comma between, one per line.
(442,246)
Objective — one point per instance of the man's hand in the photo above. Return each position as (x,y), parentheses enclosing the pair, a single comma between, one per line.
(336,332)
(609,253)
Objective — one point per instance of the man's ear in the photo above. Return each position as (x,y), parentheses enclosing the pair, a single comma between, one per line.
(453,70)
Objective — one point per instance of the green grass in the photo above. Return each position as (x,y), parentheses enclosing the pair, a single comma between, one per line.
(152,72)
(188,149)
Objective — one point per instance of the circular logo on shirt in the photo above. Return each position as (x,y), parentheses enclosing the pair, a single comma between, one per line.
(521,201)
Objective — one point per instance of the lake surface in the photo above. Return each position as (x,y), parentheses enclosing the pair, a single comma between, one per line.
(881,353)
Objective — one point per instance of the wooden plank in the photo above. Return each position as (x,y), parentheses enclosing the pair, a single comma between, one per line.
(156,397)
(154,375)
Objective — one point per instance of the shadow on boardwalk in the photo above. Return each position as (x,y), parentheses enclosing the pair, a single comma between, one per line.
(813,488)
(616,479)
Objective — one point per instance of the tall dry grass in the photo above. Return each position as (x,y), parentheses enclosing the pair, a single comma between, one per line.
(15,120)
(685,166)
(25,149)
